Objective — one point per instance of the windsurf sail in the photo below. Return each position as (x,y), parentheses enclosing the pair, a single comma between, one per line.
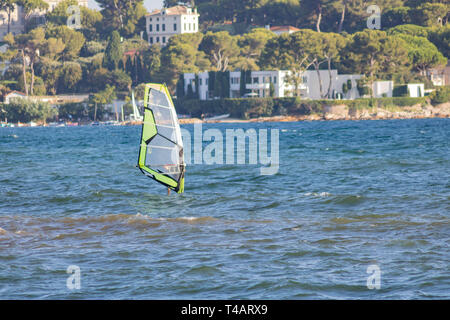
(161,152)
(136,116)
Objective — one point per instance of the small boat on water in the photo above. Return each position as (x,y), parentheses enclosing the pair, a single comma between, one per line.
(221,117)
(56,124)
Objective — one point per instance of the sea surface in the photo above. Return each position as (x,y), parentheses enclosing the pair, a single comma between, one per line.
(349,197)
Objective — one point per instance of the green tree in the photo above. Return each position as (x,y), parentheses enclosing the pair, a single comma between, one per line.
(315,8)
(181,55)
(375,54)
(332,45)
(441,39)
(289,52)
(90,19)
(409,29)
(73,41)
(220,48)
(151,62)
(113,52)
(70,75)
(430,14)
(53,48)
(251,45)
(120,80)
(101,98)
(30,6)
(23,110)
(28,46)
(422,53)
(97,79)
(122,15)
(396,16)
(50,71)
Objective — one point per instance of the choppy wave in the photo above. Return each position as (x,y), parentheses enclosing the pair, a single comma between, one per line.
(347,195)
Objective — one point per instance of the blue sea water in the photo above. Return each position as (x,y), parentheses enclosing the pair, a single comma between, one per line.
(348,195)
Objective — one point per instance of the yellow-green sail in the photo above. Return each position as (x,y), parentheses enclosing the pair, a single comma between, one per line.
(161,152)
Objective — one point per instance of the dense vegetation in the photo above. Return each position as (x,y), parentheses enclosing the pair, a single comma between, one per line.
(267,107)
(108,51)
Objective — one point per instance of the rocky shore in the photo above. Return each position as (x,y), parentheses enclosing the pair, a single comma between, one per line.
(343,112)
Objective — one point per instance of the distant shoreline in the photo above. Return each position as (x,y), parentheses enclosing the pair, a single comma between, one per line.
(342,112)
(337,112)
(254,120)
(300,118)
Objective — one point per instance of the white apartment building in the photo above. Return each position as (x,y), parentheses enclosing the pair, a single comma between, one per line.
(17,22)
(261,82)
(164,23)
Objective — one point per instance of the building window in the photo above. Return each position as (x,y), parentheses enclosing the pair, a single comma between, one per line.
(150,19)
(151,39)
(163,27)
(200,81)
(207,81)
(164,39)
(274,79)
(185,28)
(174,27)
(235,80)
(151,28)
(255,80)
(157,39)
(157,27)
(157,19)
(189,27)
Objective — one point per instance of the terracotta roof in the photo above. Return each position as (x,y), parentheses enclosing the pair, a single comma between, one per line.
(177,10)
(131,52)
(14,91)
(284,28)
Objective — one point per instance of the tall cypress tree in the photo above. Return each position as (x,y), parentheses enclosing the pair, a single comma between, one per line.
(140,70)
(197,87)
(180,87)
(129,66)
(121,66)
(113,52)
(242,84)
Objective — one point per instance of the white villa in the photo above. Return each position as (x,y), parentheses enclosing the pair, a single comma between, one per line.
(343,86)
(164,23)
(17,23)
(261,82)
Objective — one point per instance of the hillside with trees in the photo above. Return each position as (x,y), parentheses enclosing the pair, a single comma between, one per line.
(110,50)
